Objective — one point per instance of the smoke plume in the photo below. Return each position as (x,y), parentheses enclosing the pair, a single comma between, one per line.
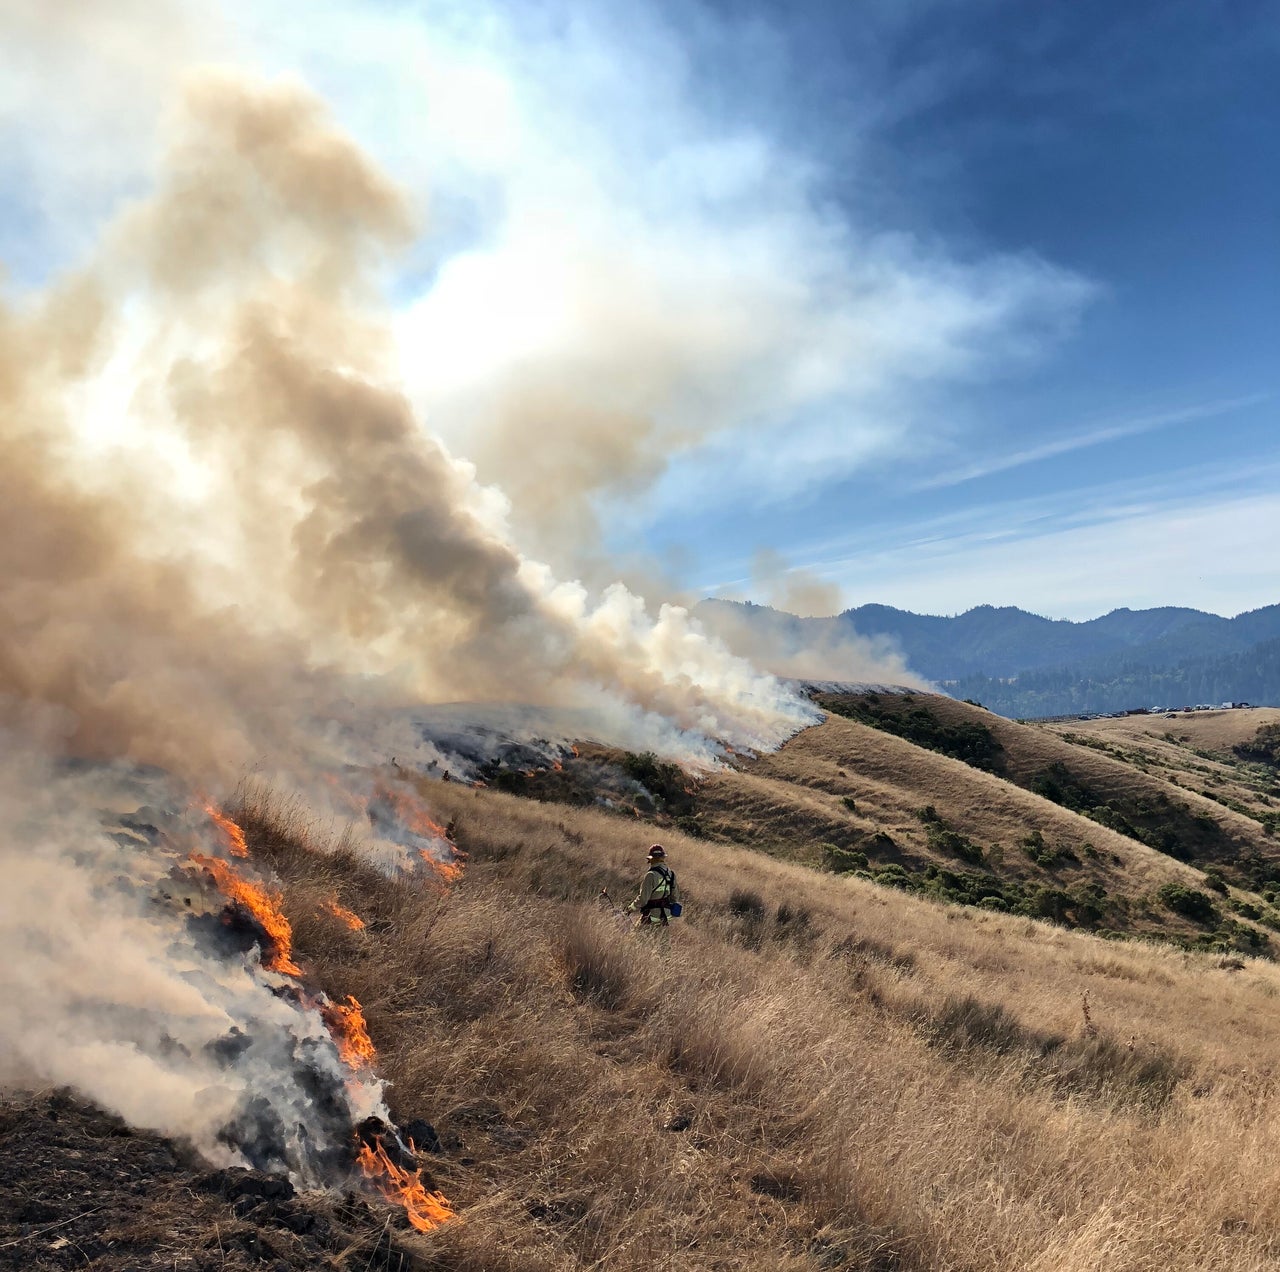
(271,520)
(229,546)
(797,631)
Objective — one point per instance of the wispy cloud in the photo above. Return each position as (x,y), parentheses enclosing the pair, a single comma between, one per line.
(1191,537)
(661,294)
(1204,556)
(1083,440)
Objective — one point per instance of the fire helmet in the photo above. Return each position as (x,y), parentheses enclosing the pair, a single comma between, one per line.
(657,852)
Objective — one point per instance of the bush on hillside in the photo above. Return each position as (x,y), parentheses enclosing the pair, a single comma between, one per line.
(669,785)
(943,839)
(1045,854)
(842,860)
(1189,902)
(1263,747)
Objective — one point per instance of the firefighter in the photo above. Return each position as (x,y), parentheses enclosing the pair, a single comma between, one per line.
(659,899)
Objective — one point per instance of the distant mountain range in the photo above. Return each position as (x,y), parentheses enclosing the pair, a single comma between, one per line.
(1021,665)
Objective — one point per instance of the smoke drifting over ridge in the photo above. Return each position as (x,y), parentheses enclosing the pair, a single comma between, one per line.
(796,632)
(322,533)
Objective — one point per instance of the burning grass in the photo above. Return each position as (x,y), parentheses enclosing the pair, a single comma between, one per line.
(262,904)
(425,1209)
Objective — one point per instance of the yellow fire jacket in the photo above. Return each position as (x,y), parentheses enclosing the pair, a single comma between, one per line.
(654,887)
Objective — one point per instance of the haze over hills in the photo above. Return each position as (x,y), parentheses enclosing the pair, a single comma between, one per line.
(1023,665)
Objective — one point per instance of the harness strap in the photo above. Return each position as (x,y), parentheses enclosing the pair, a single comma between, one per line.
(660,903)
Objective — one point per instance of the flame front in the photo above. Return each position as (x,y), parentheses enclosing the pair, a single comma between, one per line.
(263,904)
(340,911)
(232,833)
(449,871)
(410,811)
(347,1025)
(426,1210)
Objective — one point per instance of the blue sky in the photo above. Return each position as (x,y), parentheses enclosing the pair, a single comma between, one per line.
(943,303)
(1135,460)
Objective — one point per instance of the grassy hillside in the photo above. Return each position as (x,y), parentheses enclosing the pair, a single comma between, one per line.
(815,1071)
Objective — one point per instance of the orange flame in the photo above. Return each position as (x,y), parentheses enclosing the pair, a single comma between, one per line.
(232,833)
(426,1210)
(347,1025)
(411,812)
(340,911)
(449,871)
(263,904)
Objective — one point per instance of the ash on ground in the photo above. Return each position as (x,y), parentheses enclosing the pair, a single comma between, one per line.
(80,1189)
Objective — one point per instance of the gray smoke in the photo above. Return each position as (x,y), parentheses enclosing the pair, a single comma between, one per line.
(109,987)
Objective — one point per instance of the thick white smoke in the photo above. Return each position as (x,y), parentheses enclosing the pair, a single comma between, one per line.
(278,523)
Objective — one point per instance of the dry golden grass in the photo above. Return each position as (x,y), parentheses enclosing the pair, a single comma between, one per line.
(870,1081)
(790,802)
(1195,753)
(1211,730)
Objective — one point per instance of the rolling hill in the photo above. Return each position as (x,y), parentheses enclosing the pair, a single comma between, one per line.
(830,1063)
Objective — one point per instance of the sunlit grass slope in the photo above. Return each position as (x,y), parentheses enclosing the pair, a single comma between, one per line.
(815,1072)
(1036,819)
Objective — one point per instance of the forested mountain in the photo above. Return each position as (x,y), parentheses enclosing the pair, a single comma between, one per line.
(1022,665)
(1004,642)
(1131,680)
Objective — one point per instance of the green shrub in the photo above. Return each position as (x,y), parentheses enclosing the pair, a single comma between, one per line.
(668,784)
(1043,854)
(1048,903)
(842,860)
(892,876)
(850,803)
(1264,748)
(945,840)
(1190,902)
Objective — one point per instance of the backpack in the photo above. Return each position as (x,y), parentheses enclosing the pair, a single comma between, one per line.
(663,902)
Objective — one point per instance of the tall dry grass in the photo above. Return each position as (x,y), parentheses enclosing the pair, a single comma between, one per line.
(809,1073)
